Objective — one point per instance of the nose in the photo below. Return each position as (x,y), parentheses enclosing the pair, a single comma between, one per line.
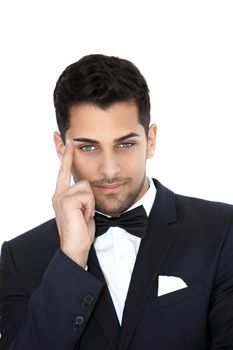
(109,165)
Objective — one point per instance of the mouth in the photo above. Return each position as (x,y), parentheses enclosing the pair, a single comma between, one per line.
(110,188)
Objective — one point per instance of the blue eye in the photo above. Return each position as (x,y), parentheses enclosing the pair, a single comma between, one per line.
(125,145)
(88,148)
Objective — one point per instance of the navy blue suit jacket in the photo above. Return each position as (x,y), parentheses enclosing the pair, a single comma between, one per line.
(49,302)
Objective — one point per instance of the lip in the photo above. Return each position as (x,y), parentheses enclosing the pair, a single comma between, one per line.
(113,188)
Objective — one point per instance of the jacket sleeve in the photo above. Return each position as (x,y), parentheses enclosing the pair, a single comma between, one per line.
(54,316)
(221,307)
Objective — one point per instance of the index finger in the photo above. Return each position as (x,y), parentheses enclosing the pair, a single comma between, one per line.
(64,175)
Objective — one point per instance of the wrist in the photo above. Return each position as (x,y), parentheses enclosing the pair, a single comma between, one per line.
(79,258)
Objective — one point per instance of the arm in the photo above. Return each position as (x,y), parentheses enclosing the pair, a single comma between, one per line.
(221,308)
(55,315)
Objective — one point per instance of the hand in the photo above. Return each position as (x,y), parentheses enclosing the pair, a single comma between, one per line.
(74,209)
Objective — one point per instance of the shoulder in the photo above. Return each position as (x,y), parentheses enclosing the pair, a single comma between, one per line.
(40,241)
(32,251)
(192,205)
(43,234)
(204,217)
(201,208)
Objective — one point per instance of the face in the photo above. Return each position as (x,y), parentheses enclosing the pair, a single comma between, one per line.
(110,151)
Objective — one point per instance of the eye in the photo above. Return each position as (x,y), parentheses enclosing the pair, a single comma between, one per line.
(88,148)
(126,145)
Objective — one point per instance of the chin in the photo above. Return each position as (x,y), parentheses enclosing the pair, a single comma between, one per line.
(111,206)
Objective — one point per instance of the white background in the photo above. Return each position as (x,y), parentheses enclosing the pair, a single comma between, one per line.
(183,48)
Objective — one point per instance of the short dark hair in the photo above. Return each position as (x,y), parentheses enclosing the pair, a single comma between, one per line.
(102,81)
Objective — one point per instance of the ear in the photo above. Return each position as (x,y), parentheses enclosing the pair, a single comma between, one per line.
(60,147)
(151,141)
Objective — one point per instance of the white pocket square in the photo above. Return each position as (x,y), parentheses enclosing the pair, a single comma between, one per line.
(168,284)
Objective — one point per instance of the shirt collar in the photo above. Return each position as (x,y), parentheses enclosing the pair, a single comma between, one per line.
(147,199)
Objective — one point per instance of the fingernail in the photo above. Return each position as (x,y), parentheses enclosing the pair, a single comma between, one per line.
(67,142)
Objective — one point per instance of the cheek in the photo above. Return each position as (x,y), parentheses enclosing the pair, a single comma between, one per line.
(82,169)
(133,166)
(134,160)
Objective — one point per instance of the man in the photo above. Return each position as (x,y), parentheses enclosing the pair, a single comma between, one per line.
(127,264)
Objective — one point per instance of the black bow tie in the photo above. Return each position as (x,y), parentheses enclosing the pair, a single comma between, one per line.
(133,221)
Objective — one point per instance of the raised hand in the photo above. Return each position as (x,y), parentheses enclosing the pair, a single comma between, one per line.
(74,209)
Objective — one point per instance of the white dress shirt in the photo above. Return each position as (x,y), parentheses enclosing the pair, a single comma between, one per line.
(117,251)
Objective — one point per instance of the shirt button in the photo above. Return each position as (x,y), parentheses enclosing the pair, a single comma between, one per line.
(120,257)
(77,325)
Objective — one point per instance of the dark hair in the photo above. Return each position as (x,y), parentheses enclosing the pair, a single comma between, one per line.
(102,81)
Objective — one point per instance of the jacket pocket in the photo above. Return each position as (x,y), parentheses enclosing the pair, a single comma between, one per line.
(178,296)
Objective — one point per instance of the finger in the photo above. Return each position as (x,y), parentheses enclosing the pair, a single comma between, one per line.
(89,209)
(64,176)
(81,193)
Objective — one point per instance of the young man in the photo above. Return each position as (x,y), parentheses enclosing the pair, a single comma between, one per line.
(127,264)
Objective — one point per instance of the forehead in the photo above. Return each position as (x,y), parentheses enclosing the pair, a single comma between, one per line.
(92,121)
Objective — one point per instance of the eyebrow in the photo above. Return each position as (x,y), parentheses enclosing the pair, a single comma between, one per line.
(122,138)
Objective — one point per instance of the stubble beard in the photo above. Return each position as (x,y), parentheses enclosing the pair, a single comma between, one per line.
(113,206)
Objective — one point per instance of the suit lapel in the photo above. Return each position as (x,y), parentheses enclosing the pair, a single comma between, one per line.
(152,252)
(104,312)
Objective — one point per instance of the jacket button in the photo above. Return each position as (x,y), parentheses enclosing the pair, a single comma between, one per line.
(87,301)
(77,325)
